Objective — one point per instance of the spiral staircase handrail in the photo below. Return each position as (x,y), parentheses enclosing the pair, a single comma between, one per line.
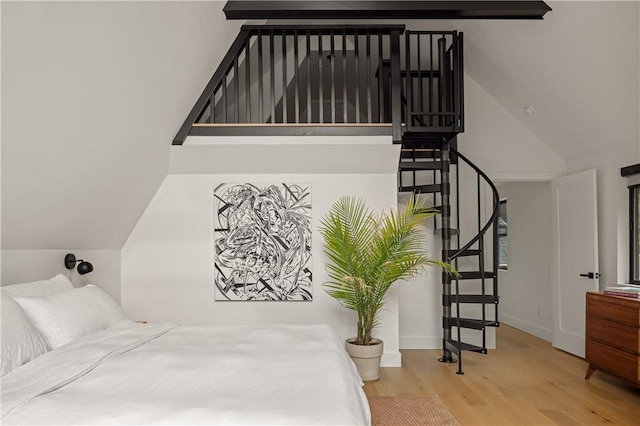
(496,206)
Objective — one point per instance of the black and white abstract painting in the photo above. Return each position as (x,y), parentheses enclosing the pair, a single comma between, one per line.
(262,242)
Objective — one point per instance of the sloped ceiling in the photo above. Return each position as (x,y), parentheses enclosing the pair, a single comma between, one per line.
(92,95)
(578,68)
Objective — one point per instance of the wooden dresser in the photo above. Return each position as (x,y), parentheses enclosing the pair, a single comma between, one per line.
(613,336)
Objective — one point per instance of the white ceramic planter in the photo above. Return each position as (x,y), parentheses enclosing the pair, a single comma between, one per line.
(366,358)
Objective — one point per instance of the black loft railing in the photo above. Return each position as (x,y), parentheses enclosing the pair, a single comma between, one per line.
(434,82)
(333,80)
(303,80)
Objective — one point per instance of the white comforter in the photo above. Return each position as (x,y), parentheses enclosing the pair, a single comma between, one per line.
(163,374)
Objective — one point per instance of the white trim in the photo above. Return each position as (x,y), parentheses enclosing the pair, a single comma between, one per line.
(391,359)
(526,326)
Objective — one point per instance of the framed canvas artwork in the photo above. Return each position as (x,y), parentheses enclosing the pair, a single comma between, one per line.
(262,236)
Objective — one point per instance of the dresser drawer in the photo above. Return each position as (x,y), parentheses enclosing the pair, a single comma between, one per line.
(619,309)
(613,360)
(624,337)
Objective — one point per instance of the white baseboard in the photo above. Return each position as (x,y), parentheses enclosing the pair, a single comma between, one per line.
(391,359)
(526,326)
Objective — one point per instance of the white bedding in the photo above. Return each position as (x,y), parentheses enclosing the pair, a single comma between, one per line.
(163,374)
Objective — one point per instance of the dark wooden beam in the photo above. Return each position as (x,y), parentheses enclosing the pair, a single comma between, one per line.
(630,170)
(362,9)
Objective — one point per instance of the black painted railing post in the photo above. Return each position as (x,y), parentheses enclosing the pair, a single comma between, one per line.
(396,90)
(442,83)
(459,83)
(408,117)
(496,257)
(445,215)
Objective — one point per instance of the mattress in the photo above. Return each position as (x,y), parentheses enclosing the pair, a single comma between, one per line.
(165,374)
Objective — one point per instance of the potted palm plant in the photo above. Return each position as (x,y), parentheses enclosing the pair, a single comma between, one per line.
(368,252)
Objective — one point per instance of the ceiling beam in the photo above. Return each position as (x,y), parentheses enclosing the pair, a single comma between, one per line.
(364,9)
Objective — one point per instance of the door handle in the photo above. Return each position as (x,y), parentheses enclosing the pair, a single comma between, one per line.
(591,275)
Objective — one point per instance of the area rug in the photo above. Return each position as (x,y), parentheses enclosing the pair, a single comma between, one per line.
(409,411)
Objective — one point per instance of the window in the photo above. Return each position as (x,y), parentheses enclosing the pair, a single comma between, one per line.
(634,233)
(502,235)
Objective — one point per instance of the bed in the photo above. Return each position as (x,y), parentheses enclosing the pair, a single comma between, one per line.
(133,373)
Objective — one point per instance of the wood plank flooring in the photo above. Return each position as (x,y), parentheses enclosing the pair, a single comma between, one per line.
(523,382)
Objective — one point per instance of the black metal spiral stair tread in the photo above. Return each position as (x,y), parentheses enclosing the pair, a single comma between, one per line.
(422,189)
(452,231)
(476,275)
(487,299)
(476,324)
(419,153)
(429,210)
(468,252)
(453,345)
(420,165)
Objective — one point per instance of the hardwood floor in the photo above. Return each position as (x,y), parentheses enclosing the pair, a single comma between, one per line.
(523,382)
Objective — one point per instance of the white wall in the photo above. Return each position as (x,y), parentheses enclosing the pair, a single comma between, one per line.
(525,288)
(93,94)
(19,266)
(561,65)
(500,144)
(167,262)
(613,207)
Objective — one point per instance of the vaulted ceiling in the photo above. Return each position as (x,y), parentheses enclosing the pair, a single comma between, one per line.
(93,93)
(578,68)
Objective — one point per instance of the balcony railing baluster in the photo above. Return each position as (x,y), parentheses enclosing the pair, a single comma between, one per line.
(296,98)
(381,81)
(272,74)
(260,81)
(429,110)
(236,87)
(284,77)
(247,81)
(368,80)
(320,81)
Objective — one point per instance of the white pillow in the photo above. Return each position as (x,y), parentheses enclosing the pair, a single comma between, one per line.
(21,342)
(39,288)
(65,316)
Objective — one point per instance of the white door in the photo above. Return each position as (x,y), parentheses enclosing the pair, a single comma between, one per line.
(575,257)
